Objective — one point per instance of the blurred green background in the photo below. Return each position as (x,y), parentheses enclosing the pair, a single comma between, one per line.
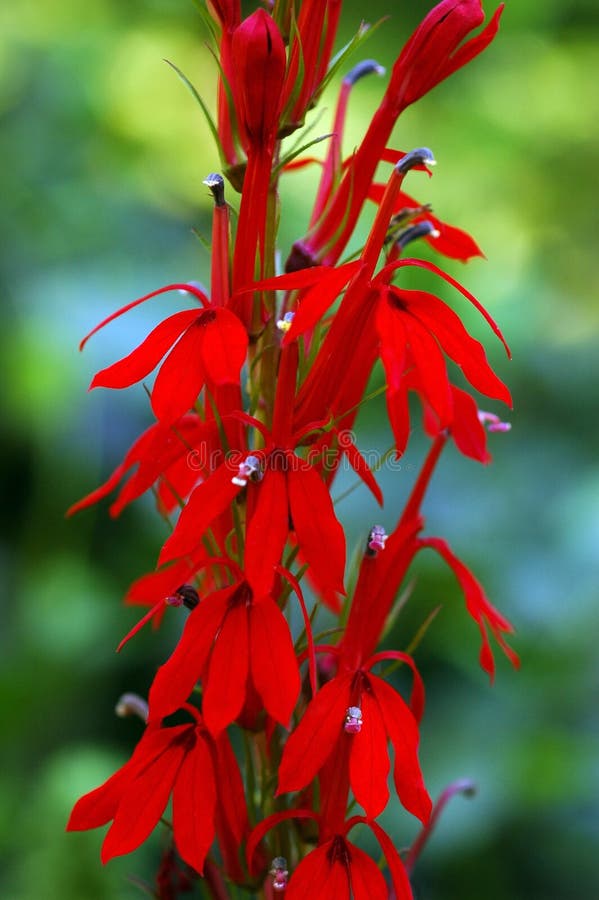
(102,157)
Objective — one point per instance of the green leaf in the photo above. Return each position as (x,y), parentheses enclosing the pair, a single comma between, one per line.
(203,107)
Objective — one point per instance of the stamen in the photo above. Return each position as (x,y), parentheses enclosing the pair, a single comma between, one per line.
(279,872)
(132,705)
(353,720)
(376,540)
(186,595)
(493,422)
(366,67)
(285,323)
(420,157)
(216,183)
(249,470)
(421,229)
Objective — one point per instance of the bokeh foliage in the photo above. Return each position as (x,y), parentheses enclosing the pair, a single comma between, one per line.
(103,153)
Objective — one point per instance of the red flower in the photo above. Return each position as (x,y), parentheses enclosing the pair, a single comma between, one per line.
(178,761)
(231,639)
(337,869)
(209,348)
(325,730)
(413,329)
(432,54)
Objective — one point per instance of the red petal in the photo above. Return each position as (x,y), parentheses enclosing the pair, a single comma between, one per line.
(181,376)
(293,281)
(175,680)
(431,369)
(479,607)
(224,691)
(317,300)
(431,267)
(206,502)
(316,879)
(273,663)
(144,801)
(467,352)
(267,532)
(452,242)
(475,45)
(312,742)
(194,799)
(359,465)
(401,728)
(399,876)
(467,430)
(143,359)
(100,805)
(369,760)
(319,534)
(186,288)
(224,348)
(367,881)
(393,342)
(231,791)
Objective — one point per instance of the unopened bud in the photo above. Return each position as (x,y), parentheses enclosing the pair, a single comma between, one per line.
(353,720)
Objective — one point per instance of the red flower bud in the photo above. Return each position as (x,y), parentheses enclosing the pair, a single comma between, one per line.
(260,63)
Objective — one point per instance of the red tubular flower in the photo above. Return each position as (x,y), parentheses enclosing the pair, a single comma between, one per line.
(177,761)
(230,637)
(321,735)
(432,54)
(337,868)
(412,328)
(209,348)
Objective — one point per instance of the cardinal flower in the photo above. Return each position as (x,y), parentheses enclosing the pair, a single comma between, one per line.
(208,348)
(409,330)
(434,51)
(178,760)
(231,639)
(357,713)
(336,868)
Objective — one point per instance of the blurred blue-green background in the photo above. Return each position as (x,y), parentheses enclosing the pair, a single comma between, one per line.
(102,158)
